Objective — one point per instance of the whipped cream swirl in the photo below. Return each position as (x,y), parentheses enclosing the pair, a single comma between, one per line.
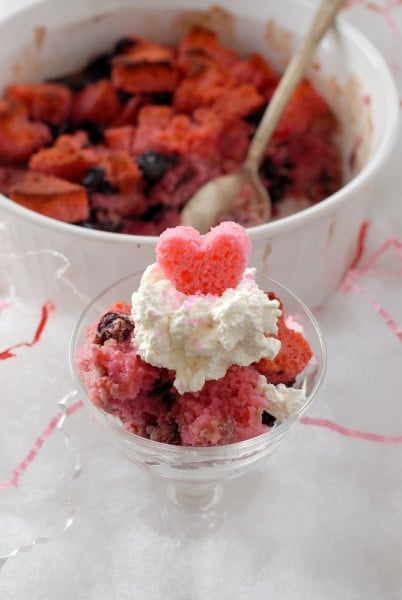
(199,336)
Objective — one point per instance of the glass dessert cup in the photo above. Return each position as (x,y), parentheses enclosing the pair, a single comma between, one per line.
(194,476)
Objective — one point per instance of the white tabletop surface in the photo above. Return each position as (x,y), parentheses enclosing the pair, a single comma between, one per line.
(321,520)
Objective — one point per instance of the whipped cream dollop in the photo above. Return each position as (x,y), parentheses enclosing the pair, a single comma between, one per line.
(282,400)
(200,336)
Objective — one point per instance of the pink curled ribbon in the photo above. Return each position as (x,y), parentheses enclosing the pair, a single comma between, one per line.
(46,309)
(53,424)
(352,281)
(352,433)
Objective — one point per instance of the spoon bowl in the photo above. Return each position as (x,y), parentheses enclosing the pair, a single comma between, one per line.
(218,196)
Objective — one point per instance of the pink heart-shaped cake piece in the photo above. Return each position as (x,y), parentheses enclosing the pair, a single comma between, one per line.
(206,264)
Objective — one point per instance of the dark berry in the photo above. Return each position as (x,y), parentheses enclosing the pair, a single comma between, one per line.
(124,44)
(95,181)
(276,179)
(154,213)
(324,176)
(268,419)
(106,220)
(326,182)
(154,165)
(94,131)
(112,224)
(123,97)
(162,98)
(256,115)
(288,164)
(60,129)
(162,389)
(114,326)
(98,68)
(74,81)
(277,188)
(269,169)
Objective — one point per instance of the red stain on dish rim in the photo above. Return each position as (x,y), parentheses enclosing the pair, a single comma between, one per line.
(361,242)
(265,258)
(331,230)
(40,33)
(353,155)
(46,309)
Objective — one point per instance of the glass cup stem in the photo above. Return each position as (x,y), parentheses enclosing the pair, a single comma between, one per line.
(193,507)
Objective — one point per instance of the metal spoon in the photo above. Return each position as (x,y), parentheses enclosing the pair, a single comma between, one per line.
(218,195)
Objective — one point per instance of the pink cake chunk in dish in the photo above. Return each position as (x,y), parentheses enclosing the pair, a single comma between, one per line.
(226,410)
(182,115)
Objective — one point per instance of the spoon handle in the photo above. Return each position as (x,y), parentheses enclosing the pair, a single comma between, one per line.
(289,80)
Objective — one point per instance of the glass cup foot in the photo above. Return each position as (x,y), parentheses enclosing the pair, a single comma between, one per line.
(192,509)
